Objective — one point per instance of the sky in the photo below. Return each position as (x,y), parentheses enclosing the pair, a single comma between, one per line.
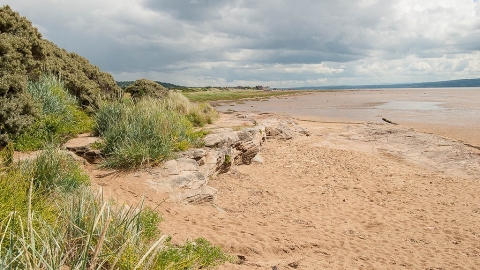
(278,43)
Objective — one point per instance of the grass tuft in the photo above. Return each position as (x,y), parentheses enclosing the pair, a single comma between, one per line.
(142,133)
(60,118)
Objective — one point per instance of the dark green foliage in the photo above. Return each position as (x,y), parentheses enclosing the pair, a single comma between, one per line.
(124,84)
(146,88)
(24,54)
(17,112)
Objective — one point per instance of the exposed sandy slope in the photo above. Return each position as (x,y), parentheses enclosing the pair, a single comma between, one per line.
(350,196)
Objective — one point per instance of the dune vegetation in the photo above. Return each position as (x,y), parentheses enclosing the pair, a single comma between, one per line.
(50,218)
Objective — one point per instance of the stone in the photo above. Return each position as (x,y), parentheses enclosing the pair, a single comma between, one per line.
(187,164)
(171,167)
(247,151)
(81,146)
(281,131)
(195,153)
(221,139)
(190,180)
(258,159)
(203,195)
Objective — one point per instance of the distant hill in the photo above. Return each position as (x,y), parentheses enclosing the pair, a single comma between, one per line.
(440,84)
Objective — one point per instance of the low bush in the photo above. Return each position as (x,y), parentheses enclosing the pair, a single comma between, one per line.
(25,54)
(52,172)
(146,88)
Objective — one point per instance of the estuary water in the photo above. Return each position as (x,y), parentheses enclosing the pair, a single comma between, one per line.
(450,112)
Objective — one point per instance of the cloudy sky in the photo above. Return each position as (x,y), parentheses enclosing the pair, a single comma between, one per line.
(279,43)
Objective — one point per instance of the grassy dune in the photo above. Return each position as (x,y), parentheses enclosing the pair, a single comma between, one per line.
(49,216)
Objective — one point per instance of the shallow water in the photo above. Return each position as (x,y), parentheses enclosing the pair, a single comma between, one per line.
(451,112)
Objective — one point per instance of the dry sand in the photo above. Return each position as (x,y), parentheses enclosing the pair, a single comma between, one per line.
(350,196)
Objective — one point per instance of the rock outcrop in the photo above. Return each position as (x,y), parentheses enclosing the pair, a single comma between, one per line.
(186,177)
(82,147)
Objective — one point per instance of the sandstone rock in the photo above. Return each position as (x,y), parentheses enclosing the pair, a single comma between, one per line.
(81,146)
(195,153)
(198,196)
(171,167)
(191,180)
(258,159)
(247,151)
(187,164)
(183,180)
(280,131)
(221,130)
(221,139)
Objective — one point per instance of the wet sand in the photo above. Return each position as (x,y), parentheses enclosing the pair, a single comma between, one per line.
(450,112)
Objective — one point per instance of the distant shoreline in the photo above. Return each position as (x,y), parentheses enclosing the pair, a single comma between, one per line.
(456,114)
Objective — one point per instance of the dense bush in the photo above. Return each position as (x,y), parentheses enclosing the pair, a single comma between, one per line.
(146,88)
(24,54)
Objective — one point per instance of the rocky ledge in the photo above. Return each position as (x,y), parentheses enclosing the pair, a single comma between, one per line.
(186,178)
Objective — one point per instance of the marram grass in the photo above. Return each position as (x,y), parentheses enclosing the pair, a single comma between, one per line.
(60,225)
(142,133)
(59,117)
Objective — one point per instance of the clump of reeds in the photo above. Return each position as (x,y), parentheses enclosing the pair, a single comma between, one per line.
(142,133)
(199,114)
(45,223)
(58,119)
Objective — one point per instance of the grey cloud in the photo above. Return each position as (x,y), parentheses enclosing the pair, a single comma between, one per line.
(242,40)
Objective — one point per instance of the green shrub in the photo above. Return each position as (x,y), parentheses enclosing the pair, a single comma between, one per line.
(14,191)
(142,133)
(197,254)
(202,114)
(59,117)
(24,54)
(146,88)
(17,113)
(51,172)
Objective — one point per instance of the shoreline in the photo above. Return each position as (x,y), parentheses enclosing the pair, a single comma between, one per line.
(455,115)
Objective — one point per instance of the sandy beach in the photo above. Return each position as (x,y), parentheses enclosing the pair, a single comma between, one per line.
(353,195)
